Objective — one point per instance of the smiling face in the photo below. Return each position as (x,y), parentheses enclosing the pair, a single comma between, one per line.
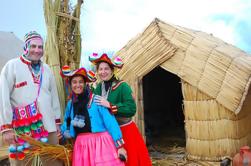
(35,50)
(77,84)
(104,71)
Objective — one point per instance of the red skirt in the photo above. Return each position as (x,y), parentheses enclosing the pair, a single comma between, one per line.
(135,146)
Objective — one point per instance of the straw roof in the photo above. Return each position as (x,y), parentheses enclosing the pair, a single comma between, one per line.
(216,68)
(10,47)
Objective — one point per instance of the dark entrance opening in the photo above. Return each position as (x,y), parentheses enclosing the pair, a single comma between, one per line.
(163,113)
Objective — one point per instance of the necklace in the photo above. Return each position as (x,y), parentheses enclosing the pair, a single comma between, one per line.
(105,93)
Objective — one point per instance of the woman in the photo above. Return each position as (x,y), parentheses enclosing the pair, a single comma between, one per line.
(98,136)
(116,95)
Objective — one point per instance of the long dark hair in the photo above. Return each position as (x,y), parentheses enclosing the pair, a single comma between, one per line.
(80,101)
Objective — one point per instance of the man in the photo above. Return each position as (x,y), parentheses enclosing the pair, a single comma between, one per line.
(27,83)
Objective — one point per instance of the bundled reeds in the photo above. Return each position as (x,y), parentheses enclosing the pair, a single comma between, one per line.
(68,32)
(52,56)
(63,42)
(47,151)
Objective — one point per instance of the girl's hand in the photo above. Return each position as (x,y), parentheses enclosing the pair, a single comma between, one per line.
(99,100)
(122,154)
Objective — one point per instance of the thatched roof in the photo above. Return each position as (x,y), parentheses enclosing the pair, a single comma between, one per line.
(10,47)
(216,68)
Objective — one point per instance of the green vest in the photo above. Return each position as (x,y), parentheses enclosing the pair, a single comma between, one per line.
(120,96)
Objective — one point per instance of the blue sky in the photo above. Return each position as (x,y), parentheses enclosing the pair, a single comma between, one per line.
(107,25)
(22,16)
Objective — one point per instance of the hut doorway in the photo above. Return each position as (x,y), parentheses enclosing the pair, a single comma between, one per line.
(163,113)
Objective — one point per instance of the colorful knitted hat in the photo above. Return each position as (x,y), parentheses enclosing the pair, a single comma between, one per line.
(116,62)
(27,38)
(89,76)
(31,35)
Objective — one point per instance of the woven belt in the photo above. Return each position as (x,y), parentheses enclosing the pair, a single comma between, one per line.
(123,120)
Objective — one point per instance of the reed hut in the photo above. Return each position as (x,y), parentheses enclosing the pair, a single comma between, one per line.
(183,78)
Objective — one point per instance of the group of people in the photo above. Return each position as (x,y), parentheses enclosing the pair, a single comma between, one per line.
(98,119)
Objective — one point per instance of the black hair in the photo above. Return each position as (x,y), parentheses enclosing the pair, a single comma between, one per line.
(70,79)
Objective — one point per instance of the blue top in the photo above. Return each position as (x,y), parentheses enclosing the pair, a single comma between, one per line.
(101,121)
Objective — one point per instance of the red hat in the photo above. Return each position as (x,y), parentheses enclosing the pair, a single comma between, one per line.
(89,76)
(116,62)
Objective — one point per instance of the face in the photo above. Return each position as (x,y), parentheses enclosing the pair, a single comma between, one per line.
(77,84)
(104,71)
(35,50)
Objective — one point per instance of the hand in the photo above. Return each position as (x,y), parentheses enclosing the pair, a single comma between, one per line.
(9,137)
(59,134)
(99,100)
(122,152)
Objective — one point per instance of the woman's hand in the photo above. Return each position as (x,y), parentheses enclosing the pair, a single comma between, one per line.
(122,154)
(99,100)
(59,133)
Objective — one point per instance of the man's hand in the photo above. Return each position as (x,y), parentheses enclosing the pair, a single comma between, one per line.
(9,137)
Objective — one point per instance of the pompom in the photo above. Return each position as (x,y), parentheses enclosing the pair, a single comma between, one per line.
(12,148)
(19,130)
(20,141)
(20,148)
(27,122)
(26,145)
(14,124)
(34,119)
(39,116)
(44,134)
(36,136)
(34,127)
(12,155)
(21,122)
(26,151)
(39,124)
(20,156)
(27,130)
(44,139)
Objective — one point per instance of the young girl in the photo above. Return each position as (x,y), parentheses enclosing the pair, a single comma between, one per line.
(116,95)
(98,136)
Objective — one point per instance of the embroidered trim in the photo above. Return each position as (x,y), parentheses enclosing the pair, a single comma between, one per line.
(113,109)
(28,111)
(90,100)
(119,143)
(24,60)
(58,121)
(105,93)
(117,85)
(36,77)
(5,127)
(21,84)
(2,131)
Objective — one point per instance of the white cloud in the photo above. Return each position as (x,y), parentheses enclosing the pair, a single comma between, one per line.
(112,23)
